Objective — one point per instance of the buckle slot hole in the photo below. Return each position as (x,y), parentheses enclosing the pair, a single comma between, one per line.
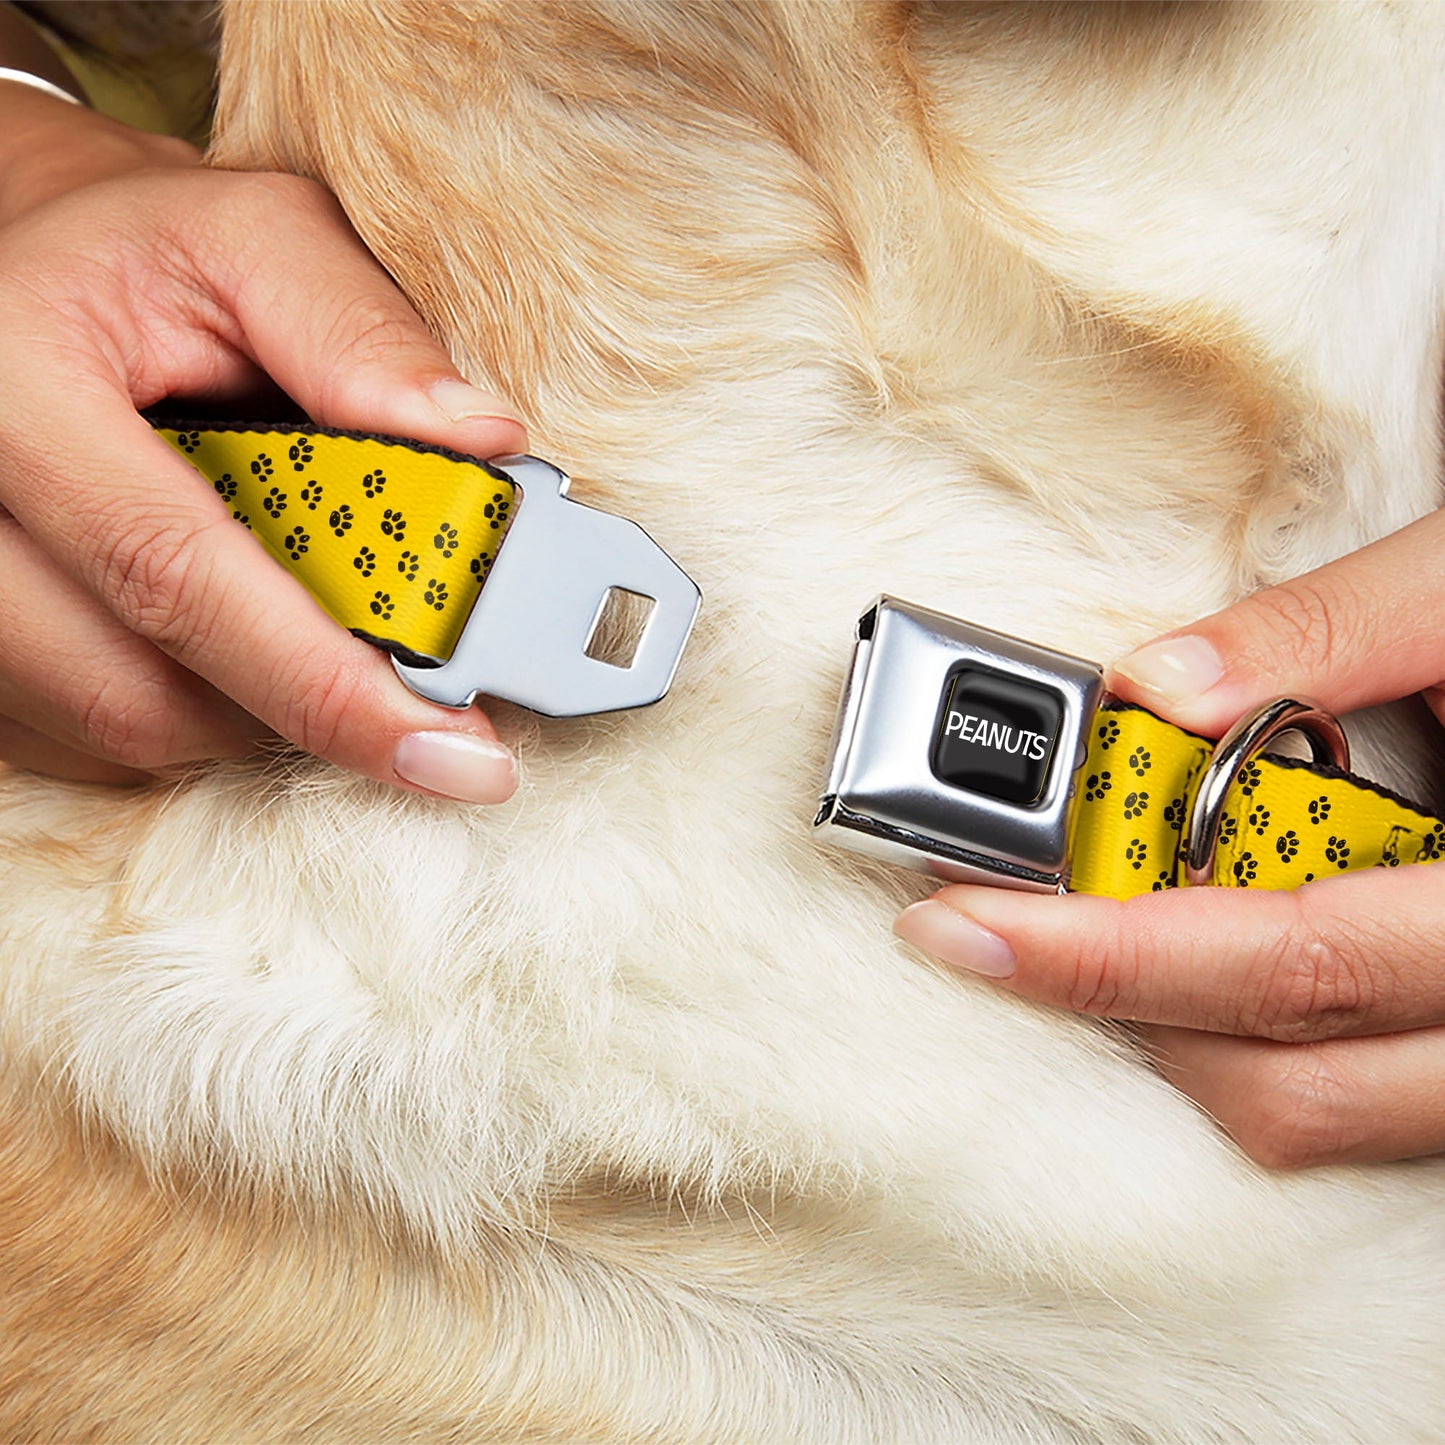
(619,627)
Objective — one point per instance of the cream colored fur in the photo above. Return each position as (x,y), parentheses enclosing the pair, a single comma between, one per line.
(1078,323)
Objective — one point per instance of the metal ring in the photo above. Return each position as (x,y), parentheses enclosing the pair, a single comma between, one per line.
(1321,730)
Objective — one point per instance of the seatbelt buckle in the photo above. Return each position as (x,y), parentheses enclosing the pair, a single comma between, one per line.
(958,750)
(527,638)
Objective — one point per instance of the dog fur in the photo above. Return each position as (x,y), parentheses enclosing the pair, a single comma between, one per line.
(616,1112)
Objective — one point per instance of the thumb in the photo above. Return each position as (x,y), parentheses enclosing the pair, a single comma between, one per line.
(1359,631)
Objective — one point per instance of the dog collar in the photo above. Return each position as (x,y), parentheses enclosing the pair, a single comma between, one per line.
(981,758)
(477,577)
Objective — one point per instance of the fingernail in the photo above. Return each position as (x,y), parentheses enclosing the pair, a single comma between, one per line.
(1177,670)
(457,766)
(459,402)
(953,939)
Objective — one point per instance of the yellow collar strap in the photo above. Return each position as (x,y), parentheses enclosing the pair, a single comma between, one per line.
(979,757)
(396,541)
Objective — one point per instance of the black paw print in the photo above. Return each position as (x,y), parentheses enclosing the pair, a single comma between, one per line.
(480,567)
(382,605)
(445,540)
(394,525)
(407,564)
(374,483)
(340,520)
(1108,733)
(365,561)
(262,467)
(1245,868)
(300,454)
(1287,845)
(435,594)
(225,484)
(1249,778)
(1174,814)
(1096,785)
(496,510)
(296,542)
(242,519)
(1161,882)
(1228,827)
(274,501)
(188,441)
(1136,852)
(1319,809)
(311,495)
(1259,821)
(1337,851)
(1136,804)
(1433,844)
(1139,760)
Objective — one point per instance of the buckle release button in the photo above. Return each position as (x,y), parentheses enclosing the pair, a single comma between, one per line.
(996,735)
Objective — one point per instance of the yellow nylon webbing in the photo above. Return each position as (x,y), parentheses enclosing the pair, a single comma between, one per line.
(394,539)
(1284,823)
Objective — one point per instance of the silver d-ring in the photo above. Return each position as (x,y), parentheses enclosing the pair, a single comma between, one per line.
(1321,730)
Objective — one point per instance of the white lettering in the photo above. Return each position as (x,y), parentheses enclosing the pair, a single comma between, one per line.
(954,723)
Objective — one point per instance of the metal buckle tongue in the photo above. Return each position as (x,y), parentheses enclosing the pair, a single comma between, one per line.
(526,638)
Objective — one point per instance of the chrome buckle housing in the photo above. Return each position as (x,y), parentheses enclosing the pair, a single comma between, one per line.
(528,632)
(887,794)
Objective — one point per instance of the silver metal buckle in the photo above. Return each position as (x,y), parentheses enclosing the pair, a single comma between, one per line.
(885,795)
(1320,728)
(526,638)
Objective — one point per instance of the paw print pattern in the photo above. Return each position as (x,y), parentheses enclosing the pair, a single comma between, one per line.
(1174,814)
(297,542)
(1246,866)
(1287,846)
(1136,804)
(300,453)
(340,520)
(480,566)
(496,510)
(225,484)
(1337,851)
(244,520)
(274,501)
(1139,760)
(1319,809)
(262,467)
(311,495)
(1108,733)
(407,564)
(1161,882)
(1248,779)
(1136,852)
(435,594)
(365,561)
(1259,820)
(1228,827)
(445,540)
(374,483)
(1096,785)
(393,524)
(189,441)
(1433,845)
(382,605)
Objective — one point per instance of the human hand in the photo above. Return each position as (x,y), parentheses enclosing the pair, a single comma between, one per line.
(1310,1024)
(140,627)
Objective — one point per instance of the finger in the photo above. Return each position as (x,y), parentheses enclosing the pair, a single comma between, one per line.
(1352,955)
(1362,630)
(331,327)
(159,547)
(70,671)
(22,747)
(1291,1106)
